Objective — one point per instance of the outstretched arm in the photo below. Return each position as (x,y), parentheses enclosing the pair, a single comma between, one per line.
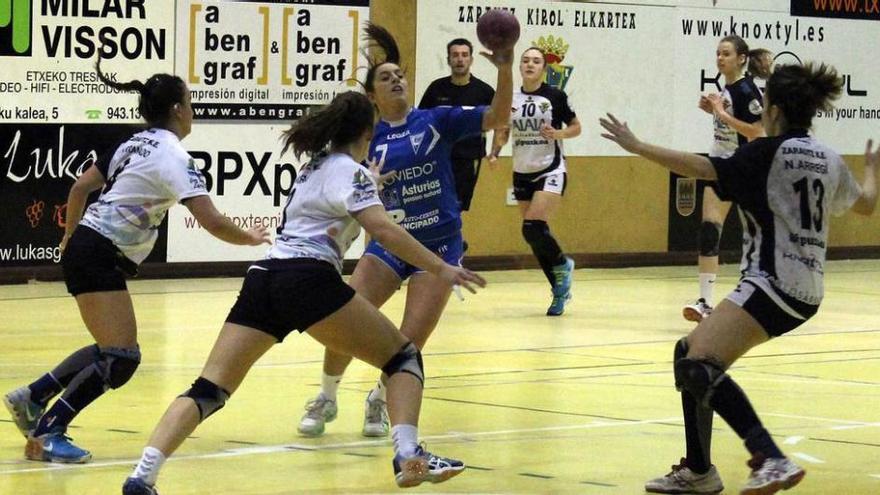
(680,162)
(221,227)
(868,200)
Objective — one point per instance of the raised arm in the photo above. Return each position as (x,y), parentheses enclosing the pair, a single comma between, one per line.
(868,200)
(680,162)
(498,114)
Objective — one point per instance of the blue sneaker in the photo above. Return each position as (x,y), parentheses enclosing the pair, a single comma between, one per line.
(561,287)
(137,486)
(25,413)
(55,446)
(562,274)
(424,466)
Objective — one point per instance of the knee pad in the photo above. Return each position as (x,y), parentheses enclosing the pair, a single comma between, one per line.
(117,365)
(534,231)
(699,377)
(710,238)
(407,360)
(680,352)
(209,398)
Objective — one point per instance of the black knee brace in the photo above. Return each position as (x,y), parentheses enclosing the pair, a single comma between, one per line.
(407,360)
(209,398)
(117,365)
(534,232)
(680,352)
(710,238)
(699,377)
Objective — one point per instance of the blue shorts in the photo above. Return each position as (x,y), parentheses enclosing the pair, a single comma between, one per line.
(447,248)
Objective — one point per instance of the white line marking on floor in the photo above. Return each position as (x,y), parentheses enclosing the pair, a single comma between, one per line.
(808,458)
(852,427)
(292,447)
(793,440)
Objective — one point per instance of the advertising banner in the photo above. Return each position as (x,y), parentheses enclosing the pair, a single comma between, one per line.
(247,60)
(39,163)
(650,63)
(48,49)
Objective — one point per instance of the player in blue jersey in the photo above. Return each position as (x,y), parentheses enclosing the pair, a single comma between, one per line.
(415,146)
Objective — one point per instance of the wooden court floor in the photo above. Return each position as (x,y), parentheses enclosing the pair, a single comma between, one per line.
(578,404)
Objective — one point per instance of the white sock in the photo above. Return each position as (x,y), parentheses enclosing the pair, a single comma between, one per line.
(406,440)
(378,392)
(330,385)
(149,465)
(707,282)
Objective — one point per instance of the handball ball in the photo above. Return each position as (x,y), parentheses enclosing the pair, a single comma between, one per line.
(498,29)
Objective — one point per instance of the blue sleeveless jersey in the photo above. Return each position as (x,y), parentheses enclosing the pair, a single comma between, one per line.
(421,197)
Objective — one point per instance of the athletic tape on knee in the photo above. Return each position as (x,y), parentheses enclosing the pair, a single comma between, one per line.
(407,360)
(209,398)
(710,238)
(699,377)
(117,365)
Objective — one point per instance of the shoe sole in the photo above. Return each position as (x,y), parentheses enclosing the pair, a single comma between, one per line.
(33,451)
(440,477)
(776,486)
(317,433)
(374,434)
(691,314)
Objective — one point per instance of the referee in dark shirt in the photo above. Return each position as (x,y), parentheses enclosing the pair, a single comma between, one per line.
(461,89)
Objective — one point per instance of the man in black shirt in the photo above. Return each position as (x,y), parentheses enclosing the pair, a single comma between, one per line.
(461,89)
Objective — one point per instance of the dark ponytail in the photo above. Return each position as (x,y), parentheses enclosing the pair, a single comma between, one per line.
(342,122)
(379,37)
(157,96)
(799,91)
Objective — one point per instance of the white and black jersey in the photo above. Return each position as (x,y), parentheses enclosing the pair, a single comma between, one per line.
(317,219)
(742,99)
(786,186)
(532,153)
(146,175)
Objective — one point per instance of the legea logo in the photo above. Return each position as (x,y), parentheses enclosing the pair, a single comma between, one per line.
(15,28)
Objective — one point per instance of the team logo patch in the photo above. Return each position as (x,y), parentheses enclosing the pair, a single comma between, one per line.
(544,106)
(685,196)
(555,48)
(416,141)
(755,107)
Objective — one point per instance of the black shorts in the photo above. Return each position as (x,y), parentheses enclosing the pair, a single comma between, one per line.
(280,296)
(466,171)
(778,313)
(92,263)
(525,185)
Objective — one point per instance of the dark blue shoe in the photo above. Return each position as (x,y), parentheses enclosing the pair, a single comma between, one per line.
(424,466)
(137,486)
(55,446)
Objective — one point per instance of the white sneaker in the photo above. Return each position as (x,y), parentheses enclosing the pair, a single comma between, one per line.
(319,410)
(375,418)
(696,311)
(771,475)
(682,480)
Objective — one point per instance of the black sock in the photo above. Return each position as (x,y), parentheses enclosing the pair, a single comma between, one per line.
(51,384)
(85,387)
(697,433)
(544,247)
(44,389)
(731,403)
